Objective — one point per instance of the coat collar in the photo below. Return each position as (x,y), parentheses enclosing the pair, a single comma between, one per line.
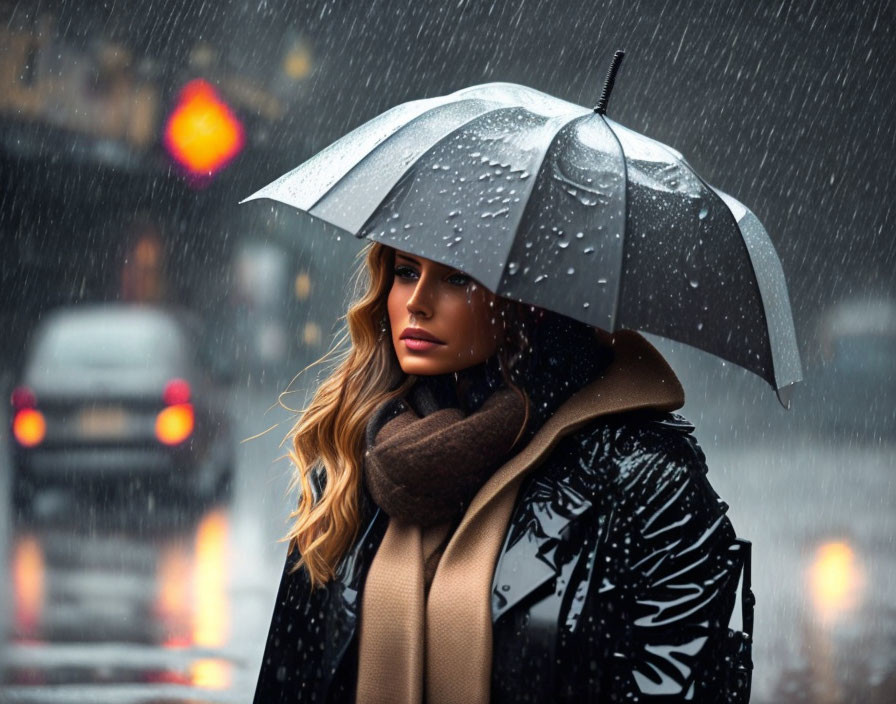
(638,378)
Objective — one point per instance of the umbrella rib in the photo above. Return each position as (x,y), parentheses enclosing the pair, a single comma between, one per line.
(774,335)
(561,122)
(398,131)
(619,272)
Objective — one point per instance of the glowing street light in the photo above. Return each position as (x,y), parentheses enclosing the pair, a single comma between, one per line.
(202,134)
(835,580)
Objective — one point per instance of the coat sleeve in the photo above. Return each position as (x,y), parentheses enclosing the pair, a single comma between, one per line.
(679,568)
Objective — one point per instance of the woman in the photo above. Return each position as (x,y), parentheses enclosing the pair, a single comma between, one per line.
(497,504)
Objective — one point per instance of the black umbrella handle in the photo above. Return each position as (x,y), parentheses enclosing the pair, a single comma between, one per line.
(601,107)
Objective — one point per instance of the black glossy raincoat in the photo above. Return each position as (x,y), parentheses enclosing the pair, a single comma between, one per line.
(616,581)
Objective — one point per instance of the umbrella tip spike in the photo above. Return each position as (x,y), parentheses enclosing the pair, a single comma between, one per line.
(601,107)
(785,394)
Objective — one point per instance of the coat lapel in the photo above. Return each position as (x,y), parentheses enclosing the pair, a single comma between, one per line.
(529,558)
(551,510)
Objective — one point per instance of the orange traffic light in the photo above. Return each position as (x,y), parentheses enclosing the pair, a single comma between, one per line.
(202,134)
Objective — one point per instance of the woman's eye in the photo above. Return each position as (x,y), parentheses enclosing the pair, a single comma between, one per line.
(404,272)
(460,279)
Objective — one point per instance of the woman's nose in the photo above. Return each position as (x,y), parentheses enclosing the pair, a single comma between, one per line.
(421,301)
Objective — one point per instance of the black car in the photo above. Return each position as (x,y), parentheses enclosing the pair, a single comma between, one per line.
(116,394)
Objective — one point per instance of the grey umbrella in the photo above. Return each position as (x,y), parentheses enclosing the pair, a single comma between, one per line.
(556,205)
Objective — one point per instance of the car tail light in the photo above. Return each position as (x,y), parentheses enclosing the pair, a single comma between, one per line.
(174,423)
(177,391)
(23,397)
(29,427)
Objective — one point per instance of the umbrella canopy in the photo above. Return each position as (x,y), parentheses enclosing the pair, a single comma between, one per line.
(556,205)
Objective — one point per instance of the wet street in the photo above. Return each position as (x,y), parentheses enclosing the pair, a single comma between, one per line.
(116,599)
(124,599)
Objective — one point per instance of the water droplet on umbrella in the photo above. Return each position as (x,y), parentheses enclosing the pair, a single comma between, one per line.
(563,245)
(694,283)
(588,250)
(580,235)
(704,211)
(571,270)
(512,268)
(540,278)
(602,282)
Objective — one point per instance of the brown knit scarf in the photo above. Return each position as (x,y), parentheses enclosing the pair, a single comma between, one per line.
(422,469)
(425,470)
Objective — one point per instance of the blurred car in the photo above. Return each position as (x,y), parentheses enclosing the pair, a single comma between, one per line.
(855,384)
(118,393)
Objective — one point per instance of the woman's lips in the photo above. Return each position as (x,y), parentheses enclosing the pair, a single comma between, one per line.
(419,340)
(416,345)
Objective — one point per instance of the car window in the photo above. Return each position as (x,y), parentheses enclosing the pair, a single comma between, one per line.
(108,341)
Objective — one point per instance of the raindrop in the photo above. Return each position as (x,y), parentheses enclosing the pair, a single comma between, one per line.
(540,278)
(699,326)
(588,250)
(586,304)
(571,270)
(580,235)
(694,283)
(513,267)
(602,281)
(453,213)
(704,211)
(563,245)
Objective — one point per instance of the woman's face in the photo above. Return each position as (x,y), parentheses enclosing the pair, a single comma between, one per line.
(431,300)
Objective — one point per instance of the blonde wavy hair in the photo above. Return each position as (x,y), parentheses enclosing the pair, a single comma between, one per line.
(329,434)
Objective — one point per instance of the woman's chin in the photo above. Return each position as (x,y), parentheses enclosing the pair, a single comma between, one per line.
(425,367)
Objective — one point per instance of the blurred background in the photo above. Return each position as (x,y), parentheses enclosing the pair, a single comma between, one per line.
(150,323)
